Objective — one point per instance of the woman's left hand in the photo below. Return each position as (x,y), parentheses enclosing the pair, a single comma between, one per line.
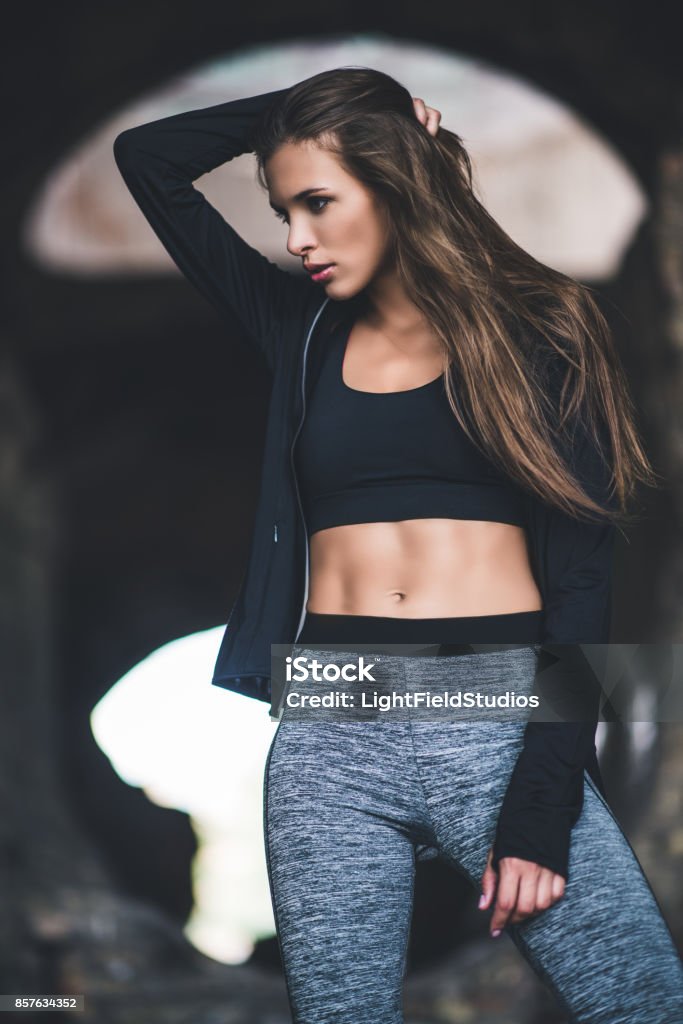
(427,116)
(524,888)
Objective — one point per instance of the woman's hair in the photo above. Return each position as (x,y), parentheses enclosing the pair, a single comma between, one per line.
(532,352)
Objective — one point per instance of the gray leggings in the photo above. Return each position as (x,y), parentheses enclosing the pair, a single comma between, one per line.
(348,803)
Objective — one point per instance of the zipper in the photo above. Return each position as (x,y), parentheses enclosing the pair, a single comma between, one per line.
(291,459)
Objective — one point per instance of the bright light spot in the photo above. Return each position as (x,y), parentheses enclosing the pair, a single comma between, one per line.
(201,749)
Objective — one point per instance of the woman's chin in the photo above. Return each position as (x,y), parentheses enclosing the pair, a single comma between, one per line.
(333,289)
(342,290)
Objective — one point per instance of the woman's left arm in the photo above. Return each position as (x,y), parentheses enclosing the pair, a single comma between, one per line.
(544,796)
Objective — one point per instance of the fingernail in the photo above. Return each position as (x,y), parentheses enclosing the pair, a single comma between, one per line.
(482,900)
(494,935)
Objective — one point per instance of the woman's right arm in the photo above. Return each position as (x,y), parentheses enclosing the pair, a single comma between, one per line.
(158,162)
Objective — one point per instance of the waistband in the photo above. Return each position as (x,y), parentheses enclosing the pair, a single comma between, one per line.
(453,635)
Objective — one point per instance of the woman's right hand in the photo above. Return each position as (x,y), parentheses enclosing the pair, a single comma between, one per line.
(428,116)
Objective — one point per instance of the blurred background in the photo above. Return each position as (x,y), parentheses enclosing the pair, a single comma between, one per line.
(131,852)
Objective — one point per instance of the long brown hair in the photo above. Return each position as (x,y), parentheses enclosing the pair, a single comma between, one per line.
(533,353)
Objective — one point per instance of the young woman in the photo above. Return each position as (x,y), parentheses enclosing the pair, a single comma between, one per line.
(450,446)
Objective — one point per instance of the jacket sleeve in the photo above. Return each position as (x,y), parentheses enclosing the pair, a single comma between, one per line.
(159,162)
(544,796)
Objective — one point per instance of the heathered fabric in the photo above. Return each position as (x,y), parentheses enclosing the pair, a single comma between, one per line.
(346,804)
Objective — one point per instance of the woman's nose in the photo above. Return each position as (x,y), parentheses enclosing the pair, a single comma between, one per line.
(299,240)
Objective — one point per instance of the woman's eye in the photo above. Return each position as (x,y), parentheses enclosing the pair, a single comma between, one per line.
(319,199)
(314,209)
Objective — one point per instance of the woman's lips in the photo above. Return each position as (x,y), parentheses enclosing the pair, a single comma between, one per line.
(323,275)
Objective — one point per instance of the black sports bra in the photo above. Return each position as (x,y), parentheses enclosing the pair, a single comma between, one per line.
(365,457)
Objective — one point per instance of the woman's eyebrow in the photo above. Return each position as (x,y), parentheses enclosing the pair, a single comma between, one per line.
(302,195)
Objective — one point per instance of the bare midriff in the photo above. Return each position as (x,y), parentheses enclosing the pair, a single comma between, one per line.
(415,568)
(421,569)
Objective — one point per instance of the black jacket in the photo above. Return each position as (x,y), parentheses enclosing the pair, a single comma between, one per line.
(285,317)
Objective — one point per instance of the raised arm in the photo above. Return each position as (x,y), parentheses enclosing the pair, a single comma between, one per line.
(158,162)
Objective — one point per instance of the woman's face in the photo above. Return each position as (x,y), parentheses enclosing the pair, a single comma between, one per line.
(339,221)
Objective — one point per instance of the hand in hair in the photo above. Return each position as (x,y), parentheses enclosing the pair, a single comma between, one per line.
(427,116)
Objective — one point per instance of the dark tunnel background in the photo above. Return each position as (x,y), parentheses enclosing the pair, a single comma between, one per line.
(130,438)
